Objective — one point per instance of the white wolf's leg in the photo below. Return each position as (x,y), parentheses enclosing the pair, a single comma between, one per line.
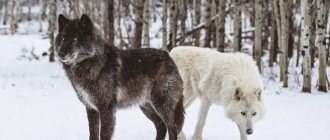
(187,102)
(242,133)
(203,111)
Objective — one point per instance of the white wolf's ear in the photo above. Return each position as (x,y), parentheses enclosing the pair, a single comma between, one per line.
(258,94)
(85,22)
(62,20)
(238,94)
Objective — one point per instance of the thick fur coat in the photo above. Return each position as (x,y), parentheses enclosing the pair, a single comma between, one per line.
(228,79)
(106,78)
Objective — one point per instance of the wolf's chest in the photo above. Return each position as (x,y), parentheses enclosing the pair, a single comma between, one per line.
(85,98)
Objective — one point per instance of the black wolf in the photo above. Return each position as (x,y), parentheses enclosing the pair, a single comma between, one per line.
(106,78)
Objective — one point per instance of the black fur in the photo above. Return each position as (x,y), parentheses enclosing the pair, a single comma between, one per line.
(106,78)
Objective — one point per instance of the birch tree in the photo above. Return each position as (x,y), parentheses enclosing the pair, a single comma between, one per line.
(258,32)
(5,16)
(76,8)
(305,38)
(276,4)
(273,42)
(312,32)
(237,26)
(138,6)
(146,20)
(197,19)
(42,13)
(111,22)
(221,26)
(12,16)
(52,26)
(105,23)
(164,25)
(183,17)
(320,43)
(173,23)
(208,31)
(284,11)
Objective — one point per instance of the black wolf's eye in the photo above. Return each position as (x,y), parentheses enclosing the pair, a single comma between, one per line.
(75,39)
(243,113)
(254,113)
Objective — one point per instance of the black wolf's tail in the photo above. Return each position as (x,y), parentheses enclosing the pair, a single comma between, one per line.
(179,115)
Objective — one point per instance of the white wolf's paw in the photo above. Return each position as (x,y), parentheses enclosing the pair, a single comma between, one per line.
(197,138)
(181,136)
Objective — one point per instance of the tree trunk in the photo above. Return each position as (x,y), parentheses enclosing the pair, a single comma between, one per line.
(5,16)
(215,7)
(42,9)
(276,4)
(321,30)
(312,40)
(305,38)
(111,22)
(146,21)
(237,26)
(183,18)
(76,8)
(29,17)
(273,44)
(197,19)
(258,32)
(208,31)
(284,10)
(52,26)
(173,24)
(12,17)
(138,6)
(164,24)
(221,26)
(105,23)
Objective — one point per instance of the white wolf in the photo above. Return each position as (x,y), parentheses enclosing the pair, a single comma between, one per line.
(228,79)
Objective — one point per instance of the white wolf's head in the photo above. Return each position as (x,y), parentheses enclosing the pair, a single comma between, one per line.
(246,108)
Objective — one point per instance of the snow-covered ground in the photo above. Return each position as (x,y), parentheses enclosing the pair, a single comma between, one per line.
(37,102)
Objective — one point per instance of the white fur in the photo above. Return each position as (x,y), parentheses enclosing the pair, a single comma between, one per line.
(214,77)
(85,98)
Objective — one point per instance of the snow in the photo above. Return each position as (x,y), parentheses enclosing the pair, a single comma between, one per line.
(37,102)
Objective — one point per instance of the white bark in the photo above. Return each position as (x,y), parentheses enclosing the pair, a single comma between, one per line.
(164,24)
(173,24)
(197,19)
(258,32)
(146,20)
(52,26)
(305,25)
(284,11)
(320,43)
(237,26)
(12,16)
(221,26)
(208,31)
(276,4)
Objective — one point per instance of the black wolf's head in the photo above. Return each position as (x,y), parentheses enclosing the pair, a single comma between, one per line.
(75,40)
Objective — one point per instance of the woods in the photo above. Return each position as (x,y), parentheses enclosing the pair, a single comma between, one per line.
(286,36)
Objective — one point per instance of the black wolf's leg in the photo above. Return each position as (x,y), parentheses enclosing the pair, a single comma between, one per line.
(107,116)
(153,116)
(166,112)
(94,124)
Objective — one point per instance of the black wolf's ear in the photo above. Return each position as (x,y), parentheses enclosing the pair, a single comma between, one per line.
(62,21)
(85,22)
(238,94)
